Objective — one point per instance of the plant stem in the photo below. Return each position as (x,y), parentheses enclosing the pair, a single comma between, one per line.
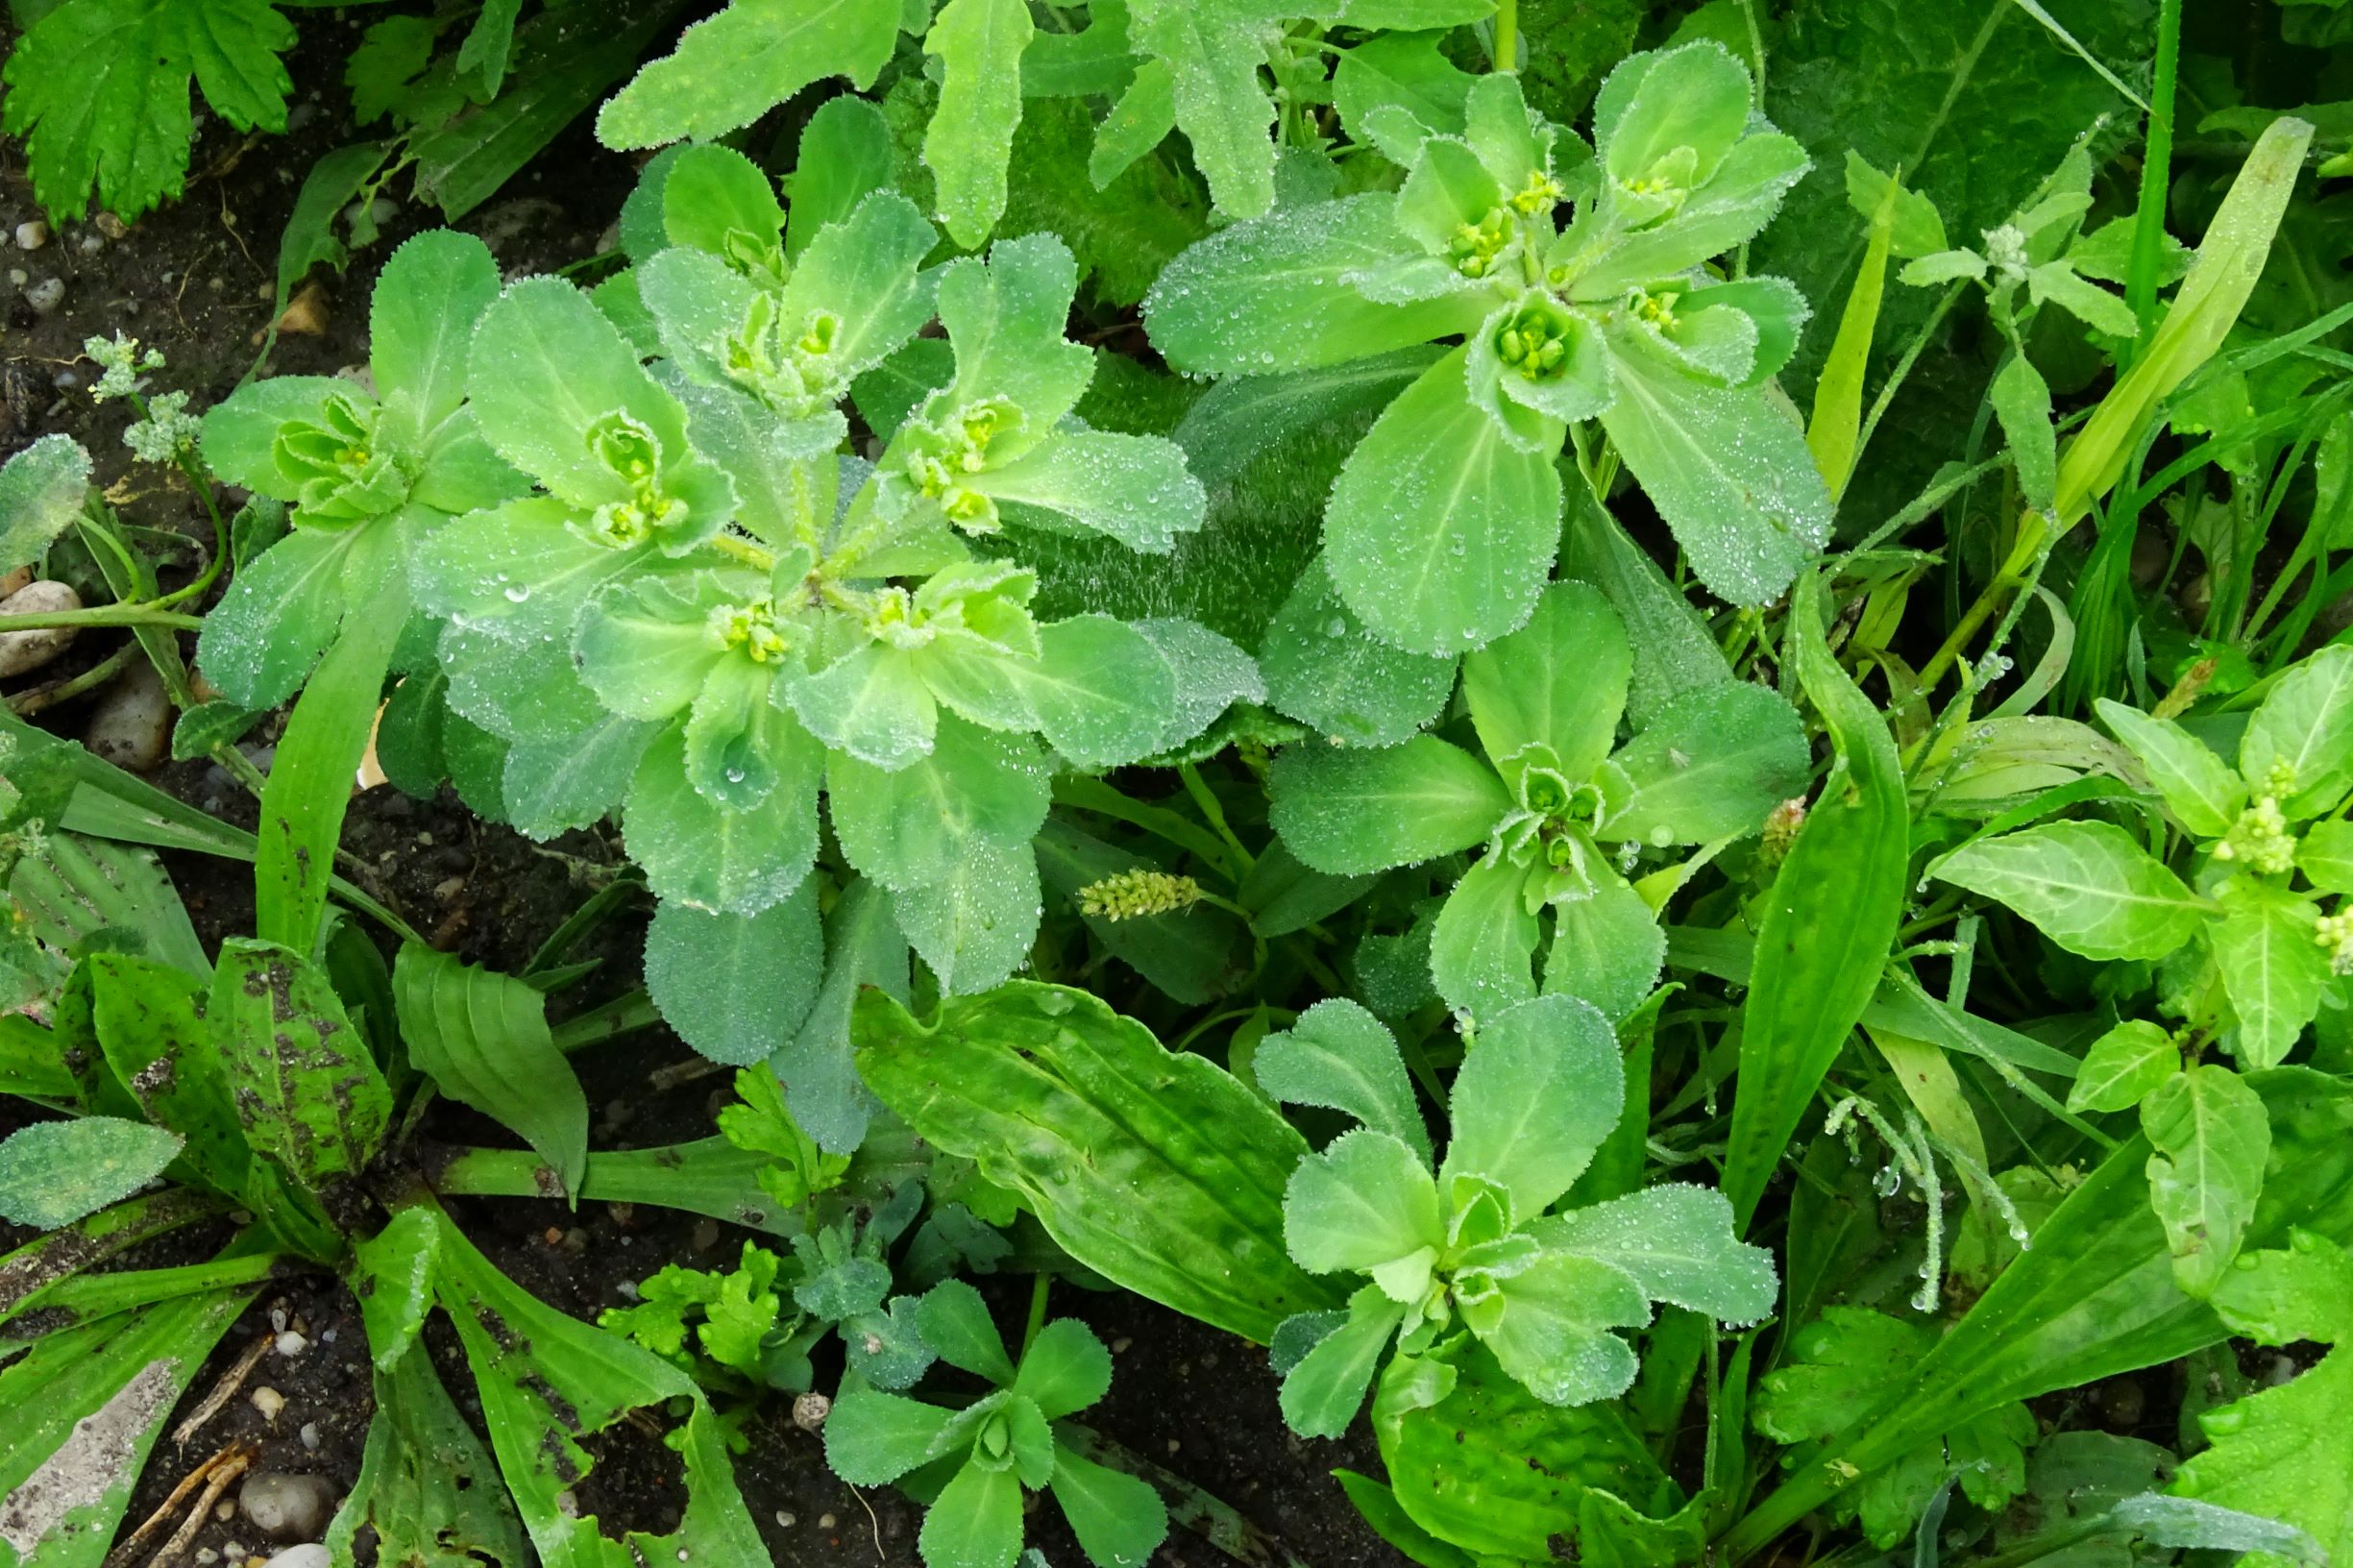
(103,615)
(2033,533)
(1506,52)
(25,704)
(1215,811)
(1038,1287)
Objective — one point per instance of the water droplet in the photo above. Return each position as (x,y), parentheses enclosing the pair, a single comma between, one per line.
(517,592)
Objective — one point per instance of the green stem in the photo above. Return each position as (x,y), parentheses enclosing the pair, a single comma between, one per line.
(2156,181)
(103,615)
(1215,811)
(1038,1287)
(1096,795)
(27,703)
(2033,533)
(1506,55)
(621,1015)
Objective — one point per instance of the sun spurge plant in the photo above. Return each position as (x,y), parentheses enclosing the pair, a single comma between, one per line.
(973,1465)
(1468,1248)
(707,612)
(2242,950)
(1553,787)
(368,469)
(1444,522)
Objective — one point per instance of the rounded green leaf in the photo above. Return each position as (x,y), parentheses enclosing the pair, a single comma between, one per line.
(1539,1090)
(906,828)
(736,987)
(1366,1202)
(1711,764)
(2299,745)
(1559,681)
(2212,1136)
(1119,1519)
(2124,1067)
(1324,669)
(1485,936)
(1440,531)
(1345,811)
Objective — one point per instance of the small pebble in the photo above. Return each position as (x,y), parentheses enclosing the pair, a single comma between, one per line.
(278,1320)
(31,237)
(90,244)
(785,1520)
(24,651)
(46,295)
(206,1557)
(1174,1445)
(309,1435)
(328,1338)
(809,1412)
(231,1552)
(287,1506)
(705,1236)
(224,1511)
(269,1402)
(1119,1346)
(131,724)
(291,1345)
(66,381)
(307,1555)
(110,226)
(825,1521)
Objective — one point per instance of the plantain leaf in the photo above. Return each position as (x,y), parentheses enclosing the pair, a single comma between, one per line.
(1159,1171)
(483,1038)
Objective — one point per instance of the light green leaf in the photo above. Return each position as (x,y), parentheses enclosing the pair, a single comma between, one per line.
(863,948)
(1324,669)
(276,617)
(426,1487)
(2272,969)
(975,1522)
(698,853)
(1340,1056)
(1711,764)
(1132,488)
(2284,1454)
(1348,811)
(1065,1370)
(2303,734)
(1322,1394)
(1138,122)
(906,829)
(1538,1092)
(1365,1203)
(482,1037)
(420,320)
(1270,295)
(732,68)
(2087,885)
(2124,1067)
(844,157)
(1918,228)
(718,200)
(2057,282)
(53,1173)
(42,489)
(1102,688)
(2303,1291)
(1213,49)
(970,139)
(1559,681)
(1727,471)
(2212,1137)
(873,1438)
(1439,531)
(2021,402)
(1119,1519)
(974,927)
(1607,949)
(1485,936)
(870,705)
(736,987)
(1676,1241)
(2325,855)
(2200,788)
(1552,1330)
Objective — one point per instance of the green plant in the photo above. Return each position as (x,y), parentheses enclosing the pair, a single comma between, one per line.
(1477,1248)
(974,1464)
(1545,702)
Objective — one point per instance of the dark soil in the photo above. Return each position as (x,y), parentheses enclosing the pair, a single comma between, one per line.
(195,279)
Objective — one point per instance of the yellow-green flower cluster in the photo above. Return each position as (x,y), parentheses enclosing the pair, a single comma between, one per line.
(1142,892)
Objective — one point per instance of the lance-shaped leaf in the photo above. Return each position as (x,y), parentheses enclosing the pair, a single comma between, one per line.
(306,1088)
(482,1037)
(1159,1171)
(1559,682)
(2272,967)
(2303,734)
(970,139)
(1538,1092)
(2200,788)
(1486,935)
(1340,1056)
(2124,1067)
(427,1485)
(1710,764)
(53,1173)
(2087,885)
(1676,1241)
(736,987)
(732,68)
(1440,529)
